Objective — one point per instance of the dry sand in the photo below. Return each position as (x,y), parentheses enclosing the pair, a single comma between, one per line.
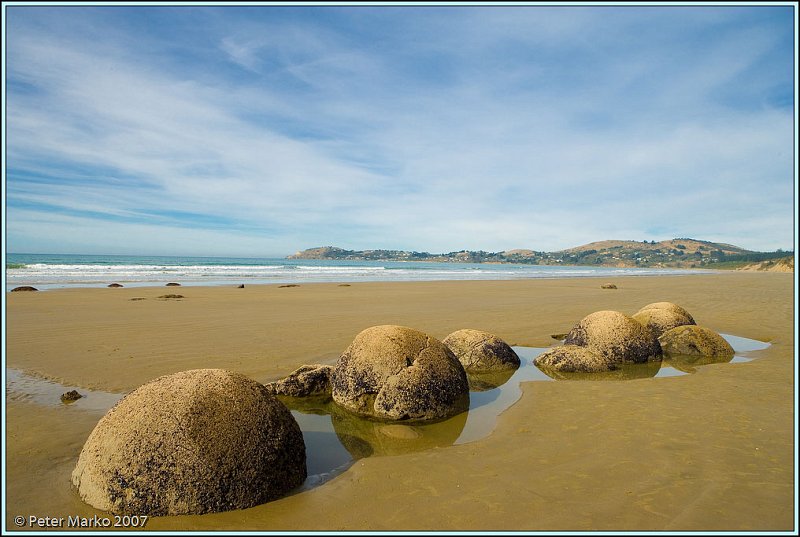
(709,451)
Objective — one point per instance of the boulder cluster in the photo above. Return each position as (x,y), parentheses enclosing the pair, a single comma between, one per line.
(397,373)
(210,440)
(606,340)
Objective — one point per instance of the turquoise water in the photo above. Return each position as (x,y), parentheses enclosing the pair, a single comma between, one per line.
(46,271)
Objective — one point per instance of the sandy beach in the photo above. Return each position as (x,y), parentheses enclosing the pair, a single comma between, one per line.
(712,450)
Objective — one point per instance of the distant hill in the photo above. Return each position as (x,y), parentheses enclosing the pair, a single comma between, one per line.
(674,253)
(688,246)
(783,264)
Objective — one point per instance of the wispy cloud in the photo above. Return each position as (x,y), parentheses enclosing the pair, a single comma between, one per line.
(428,129)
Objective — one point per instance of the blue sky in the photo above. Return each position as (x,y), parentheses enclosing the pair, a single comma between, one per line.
(261,130)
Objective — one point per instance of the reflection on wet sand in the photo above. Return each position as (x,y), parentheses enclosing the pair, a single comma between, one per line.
(326,457)
(622,372)
(670,365)
(689,363)
(481,382)
(365,437)
(335,437)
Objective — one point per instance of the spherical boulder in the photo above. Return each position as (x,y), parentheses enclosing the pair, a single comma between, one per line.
(669,306)
(23,288)
(481,351)
(616,336)
(574,359)
(659,320)
(695,340)
(193,442)
(394,372)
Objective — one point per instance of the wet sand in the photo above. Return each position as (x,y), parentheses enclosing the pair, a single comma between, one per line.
(709,451)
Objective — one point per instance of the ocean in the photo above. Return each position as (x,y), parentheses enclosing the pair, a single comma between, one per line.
(49,271)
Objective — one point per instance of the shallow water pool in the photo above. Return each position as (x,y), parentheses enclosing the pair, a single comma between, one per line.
(335,439)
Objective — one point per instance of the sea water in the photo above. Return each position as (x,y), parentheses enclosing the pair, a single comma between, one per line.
(47,271)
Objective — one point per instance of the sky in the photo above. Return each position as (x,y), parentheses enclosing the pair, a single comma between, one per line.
(261,130)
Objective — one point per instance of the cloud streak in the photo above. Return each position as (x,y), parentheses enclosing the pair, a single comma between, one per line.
(426,129)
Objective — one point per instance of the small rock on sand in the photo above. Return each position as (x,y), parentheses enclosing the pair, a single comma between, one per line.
(70,396)
(306,381)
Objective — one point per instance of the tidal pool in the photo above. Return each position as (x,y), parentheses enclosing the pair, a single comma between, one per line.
(335,439)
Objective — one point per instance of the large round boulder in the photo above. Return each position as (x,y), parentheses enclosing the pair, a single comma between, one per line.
(695,340)
(573,359)
(393,372)
(193,442)
(660,320)
(619,338)
(481,351)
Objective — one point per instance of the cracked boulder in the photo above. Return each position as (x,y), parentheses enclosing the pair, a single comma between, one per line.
(617,337)
(695,340)
(480,351)
(193,442)
(306,381)
(393,372)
